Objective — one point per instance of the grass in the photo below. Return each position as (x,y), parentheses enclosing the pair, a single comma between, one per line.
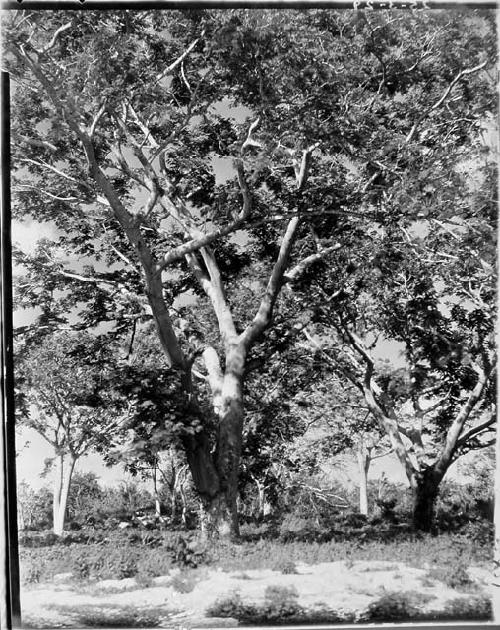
(97,561)
(415,551)
(108,561)
(454,576)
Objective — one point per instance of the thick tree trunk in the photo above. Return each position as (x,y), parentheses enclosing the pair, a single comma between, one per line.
(220,512)
(62,484)
(424,499)
(219,518)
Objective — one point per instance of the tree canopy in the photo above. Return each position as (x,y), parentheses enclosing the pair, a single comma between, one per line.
(230,175)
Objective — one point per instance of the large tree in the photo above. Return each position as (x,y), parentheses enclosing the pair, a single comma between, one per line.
(432,291)
(201,152)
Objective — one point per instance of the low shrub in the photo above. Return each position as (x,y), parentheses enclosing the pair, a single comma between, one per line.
(473,608)
(287,567)
(230,607)
(280,607)
(187,551)
(113,617)
(32,574)
(38,539)
(145,573)
(81,567)
(396,606)
(183,582)
(482,532)
(455,576)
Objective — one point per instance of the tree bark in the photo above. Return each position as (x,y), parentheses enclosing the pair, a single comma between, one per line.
(61,492)
(155,491)
(424,499)
(220,512)
(363,467)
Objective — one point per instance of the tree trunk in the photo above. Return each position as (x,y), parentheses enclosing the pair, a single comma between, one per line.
(261,499)
(58,483)
(155,492)
(61,492)
(424,497)
(363,467)
(220,512)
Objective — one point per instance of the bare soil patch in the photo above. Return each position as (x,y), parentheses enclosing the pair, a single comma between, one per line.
(182,598)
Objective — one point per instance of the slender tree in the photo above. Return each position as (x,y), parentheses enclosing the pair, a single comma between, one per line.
(63,395)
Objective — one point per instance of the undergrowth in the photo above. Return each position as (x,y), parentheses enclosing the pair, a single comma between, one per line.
(113,616)
(280,607)
(118,560)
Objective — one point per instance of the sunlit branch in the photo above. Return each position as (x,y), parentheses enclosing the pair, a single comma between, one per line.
(178,61)
(57,172)
(441,100)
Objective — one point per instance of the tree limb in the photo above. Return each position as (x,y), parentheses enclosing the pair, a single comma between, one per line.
(264,314)
(475,430)
(300,267)
(178,61)
(441,100)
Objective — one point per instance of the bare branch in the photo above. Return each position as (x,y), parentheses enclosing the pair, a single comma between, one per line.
(178,61)
(54,39)
(57,171)
(250,142)
(441,100)
(304,264)
(205,240)
(454,432)
(217,296)
(264,314)
(479,428)
(97,118)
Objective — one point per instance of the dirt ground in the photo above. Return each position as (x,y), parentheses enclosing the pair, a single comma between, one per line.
(340,586)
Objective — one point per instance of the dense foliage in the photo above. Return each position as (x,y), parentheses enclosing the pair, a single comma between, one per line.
(272,190)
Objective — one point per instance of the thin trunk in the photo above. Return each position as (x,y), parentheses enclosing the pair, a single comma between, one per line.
(58,483)
(363,467)
(63,494)
(155,492)
(261,498)
(173,506)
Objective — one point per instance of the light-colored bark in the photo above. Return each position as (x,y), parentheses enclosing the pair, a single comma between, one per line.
(62,485)
(363,457)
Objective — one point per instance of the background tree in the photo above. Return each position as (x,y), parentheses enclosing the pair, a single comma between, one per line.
(34,507)
(63,395)
(434,295)
(119,149)
(84,497)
